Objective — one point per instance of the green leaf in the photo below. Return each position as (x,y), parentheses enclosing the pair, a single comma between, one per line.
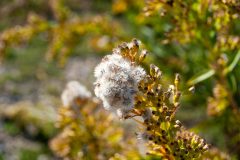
(201,77)
(233,82)
(233,64)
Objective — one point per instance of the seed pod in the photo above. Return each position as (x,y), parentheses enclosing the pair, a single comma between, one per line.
(178,123)
(143,54)
(191,89)
(177,79)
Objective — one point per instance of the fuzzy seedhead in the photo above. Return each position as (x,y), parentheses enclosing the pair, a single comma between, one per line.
(117,80)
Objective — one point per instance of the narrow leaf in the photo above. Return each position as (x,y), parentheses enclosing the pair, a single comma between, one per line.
(201,78)
(233,64)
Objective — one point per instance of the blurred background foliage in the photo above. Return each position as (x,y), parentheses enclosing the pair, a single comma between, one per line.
(44,44)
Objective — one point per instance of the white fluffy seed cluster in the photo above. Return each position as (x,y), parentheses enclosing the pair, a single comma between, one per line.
(117,82)
(73,91)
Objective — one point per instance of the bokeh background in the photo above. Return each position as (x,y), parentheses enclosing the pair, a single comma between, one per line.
(44,44)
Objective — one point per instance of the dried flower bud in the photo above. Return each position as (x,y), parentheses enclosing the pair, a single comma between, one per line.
(205,147)
(143,55)
(191,89)
(178,123)
(155,71)
(167,118)
(136,42)
(176,126)
(177,79)
(171,88)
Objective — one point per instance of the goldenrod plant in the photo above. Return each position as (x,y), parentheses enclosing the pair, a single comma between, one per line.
(86,131)
(127,89)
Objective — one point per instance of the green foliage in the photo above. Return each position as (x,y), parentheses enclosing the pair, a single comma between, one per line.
(1,157)
(28,155)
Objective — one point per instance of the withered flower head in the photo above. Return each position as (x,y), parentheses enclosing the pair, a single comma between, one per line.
(74,90)
(117,80)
